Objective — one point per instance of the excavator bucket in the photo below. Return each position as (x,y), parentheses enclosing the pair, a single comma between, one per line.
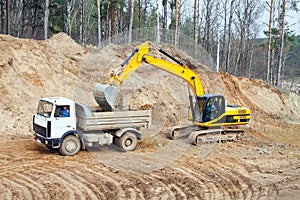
(106,95)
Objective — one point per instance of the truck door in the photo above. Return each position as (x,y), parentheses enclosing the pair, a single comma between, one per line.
(62,122)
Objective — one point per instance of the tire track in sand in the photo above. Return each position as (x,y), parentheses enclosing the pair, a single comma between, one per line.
(77,184)
(17,190)
(59,186)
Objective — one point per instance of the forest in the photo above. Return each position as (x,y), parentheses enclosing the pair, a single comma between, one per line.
(251,38)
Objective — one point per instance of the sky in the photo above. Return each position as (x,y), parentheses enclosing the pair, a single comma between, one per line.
(294,19)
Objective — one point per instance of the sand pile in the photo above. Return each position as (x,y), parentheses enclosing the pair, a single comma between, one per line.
(30,69)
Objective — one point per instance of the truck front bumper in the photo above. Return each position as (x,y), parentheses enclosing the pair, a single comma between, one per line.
(52,142)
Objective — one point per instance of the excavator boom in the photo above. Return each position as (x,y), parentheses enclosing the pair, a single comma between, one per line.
(106,95)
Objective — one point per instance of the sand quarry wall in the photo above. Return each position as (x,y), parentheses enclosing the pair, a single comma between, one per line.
(31,69)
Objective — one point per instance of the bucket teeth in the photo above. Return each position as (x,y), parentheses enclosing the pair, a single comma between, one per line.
(106,96)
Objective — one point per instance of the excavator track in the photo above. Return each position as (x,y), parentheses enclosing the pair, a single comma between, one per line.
(214,135)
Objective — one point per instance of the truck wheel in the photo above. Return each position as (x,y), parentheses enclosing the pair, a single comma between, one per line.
(127,142)
(70,146)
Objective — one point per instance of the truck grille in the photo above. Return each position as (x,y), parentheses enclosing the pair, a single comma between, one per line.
(45,132)
(40,130)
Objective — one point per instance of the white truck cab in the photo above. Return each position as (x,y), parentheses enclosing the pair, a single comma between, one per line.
(62,124)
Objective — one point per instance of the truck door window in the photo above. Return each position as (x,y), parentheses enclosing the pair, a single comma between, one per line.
(62,111)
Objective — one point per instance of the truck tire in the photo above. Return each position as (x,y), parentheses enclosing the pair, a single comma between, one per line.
(70,146)
(127,142)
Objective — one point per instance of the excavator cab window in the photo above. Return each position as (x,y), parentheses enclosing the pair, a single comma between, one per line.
(214,108)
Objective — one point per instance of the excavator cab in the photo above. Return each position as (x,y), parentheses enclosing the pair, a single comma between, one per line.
(209,108)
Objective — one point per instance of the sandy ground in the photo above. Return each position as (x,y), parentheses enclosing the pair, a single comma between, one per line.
(264,164)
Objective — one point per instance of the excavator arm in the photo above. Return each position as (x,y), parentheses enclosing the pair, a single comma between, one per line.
(140,55)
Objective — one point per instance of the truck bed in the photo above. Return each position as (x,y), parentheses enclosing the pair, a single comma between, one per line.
(115,120)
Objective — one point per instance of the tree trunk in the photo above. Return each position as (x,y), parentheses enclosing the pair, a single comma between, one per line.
(99,21)
(269,39)
(140,17)
(34,18)
(131,9)
(3,17)
(23,18)
(68,18)
(218,52)
(207,26)
(46,17)
(172,6)
(8,17)
(281,47)
(250,61)
(176,22)
(63,15)
(196,5)
(16,17)
(165,19)
(229,36)
(82,22)
(157,23)
(120,22)
(223,44)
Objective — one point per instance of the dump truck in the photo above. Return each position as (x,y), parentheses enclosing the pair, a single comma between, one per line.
(68,126)
(208,111)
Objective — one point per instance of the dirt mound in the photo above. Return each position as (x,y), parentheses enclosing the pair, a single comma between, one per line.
(30,69)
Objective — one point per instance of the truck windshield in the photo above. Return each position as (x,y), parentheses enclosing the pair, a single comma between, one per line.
(44,108)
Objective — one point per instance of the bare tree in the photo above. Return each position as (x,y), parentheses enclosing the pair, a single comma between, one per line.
(196,15)
(68,20)
(165,19)
(131,9)
(8,16)
(140,14)
(3,17)
(208,25)
(157,23)
(176,22)
(271,7)
(46,17)
(81,22)
(281,46)
(224,33)
(229,35)
(165,15)
(99,21)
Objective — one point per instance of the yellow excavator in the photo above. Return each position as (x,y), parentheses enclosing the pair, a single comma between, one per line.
(208,111)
